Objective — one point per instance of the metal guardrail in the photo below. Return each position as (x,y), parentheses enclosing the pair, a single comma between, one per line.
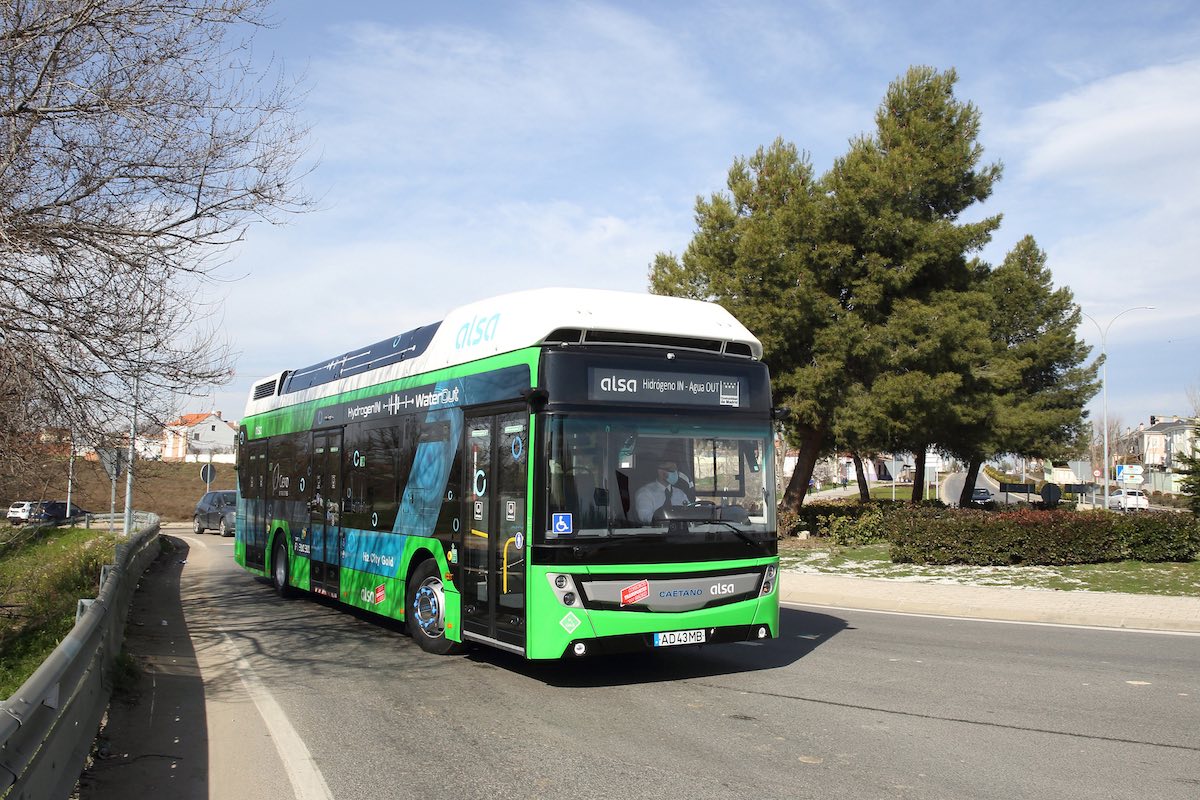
(48,726)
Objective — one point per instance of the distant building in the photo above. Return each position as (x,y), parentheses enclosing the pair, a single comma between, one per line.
(1160,445)
(199,437)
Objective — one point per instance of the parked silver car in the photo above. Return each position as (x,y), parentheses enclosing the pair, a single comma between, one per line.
(216,511)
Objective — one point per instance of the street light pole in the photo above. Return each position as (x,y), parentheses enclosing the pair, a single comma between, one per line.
(1104,380)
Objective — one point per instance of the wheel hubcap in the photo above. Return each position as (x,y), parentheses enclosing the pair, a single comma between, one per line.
(429,607)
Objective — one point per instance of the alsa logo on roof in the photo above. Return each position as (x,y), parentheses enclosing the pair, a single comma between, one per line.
(477,331)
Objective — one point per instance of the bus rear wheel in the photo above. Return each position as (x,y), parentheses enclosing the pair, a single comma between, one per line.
(279,571)
(425,610)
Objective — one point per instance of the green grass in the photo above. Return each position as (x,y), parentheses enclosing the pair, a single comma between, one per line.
(41,581)
(1134,577)
(903,492)
(872,561)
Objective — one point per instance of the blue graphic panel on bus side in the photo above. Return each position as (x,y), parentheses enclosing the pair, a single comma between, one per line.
(376,552)
(390,351)
(422,499)
(421,502)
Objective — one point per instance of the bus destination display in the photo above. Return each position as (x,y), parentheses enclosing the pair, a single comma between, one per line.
(643,386)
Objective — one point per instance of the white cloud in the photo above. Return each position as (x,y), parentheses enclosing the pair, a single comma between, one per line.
(1134,132)
(567,81)
(1107,178)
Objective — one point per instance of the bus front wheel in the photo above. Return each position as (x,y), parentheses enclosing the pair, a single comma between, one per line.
(425,610)
(279,571)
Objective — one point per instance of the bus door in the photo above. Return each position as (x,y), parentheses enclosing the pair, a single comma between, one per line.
(325,514)
(495,467)
(258,509)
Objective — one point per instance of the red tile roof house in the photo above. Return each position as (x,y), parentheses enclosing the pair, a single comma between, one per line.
(196,437)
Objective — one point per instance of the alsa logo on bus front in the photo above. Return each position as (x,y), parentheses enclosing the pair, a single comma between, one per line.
(615,383)
(477,331)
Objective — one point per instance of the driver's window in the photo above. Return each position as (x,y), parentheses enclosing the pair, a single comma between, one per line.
(719,469)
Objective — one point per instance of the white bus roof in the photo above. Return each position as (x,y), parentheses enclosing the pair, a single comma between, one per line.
(511,322)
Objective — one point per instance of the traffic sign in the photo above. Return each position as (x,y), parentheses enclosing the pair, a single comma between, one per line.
(1134,469)
(113,460)
(1133,480)
(1051,494)
(1095,473)
(208,473)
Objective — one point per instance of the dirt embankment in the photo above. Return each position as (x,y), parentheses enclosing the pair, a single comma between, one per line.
(167,489)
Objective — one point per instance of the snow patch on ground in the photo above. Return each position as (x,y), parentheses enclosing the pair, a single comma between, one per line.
(962,574)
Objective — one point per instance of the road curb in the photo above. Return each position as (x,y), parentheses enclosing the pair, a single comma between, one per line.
(1094,609)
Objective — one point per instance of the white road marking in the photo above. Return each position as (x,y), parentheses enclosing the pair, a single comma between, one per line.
(192,541)
(793,604)
(307,781)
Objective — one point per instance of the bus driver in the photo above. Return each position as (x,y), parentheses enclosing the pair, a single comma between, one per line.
(663,492)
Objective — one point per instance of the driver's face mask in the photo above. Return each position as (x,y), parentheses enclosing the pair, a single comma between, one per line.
(673,477)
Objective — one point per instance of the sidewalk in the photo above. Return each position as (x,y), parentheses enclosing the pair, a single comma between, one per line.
(1101,609)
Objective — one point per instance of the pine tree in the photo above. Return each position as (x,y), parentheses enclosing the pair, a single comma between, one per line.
(860,285)
(1036,376)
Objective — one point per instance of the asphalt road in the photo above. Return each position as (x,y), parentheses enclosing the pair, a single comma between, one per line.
(951,489)
(298,698)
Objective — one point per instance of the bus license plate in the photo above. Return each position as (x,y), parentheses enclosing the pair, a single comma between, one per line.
(678,637)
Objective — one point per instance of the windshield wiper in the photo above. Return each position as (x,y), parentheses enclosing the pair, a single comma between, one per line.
(741,534)
(703,514)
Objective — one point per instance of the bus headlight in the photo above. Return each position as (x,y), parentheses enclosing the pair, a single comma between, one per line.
(564,588)
(768,581)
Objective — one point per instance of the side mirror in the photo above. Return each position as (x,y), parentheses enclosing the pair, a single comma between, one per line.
(537,399)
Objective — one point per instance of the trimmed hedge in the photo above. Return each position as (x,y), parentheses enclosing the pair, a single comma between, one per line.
(965,536)
(931,534)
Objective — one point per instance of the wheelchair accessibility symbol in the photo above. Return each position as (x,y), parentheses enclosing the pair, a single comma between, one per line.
(561,523)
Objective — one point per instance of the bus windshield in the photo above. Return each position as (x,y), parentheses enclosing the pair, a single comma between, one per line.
(679,477)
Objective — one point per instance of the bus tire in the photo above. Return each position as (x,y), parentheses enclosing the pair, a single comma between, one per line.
(279,571)
(425,610)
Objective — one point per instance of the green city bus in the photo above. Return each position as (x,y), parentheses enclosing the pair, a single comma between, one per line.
(554,472)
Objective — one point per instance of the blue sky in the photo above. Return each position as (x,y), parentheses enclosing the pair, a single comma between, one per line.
(467,149)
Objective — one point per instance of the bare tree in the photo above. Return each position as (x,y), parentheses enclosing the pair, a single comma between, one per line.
(137,142)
